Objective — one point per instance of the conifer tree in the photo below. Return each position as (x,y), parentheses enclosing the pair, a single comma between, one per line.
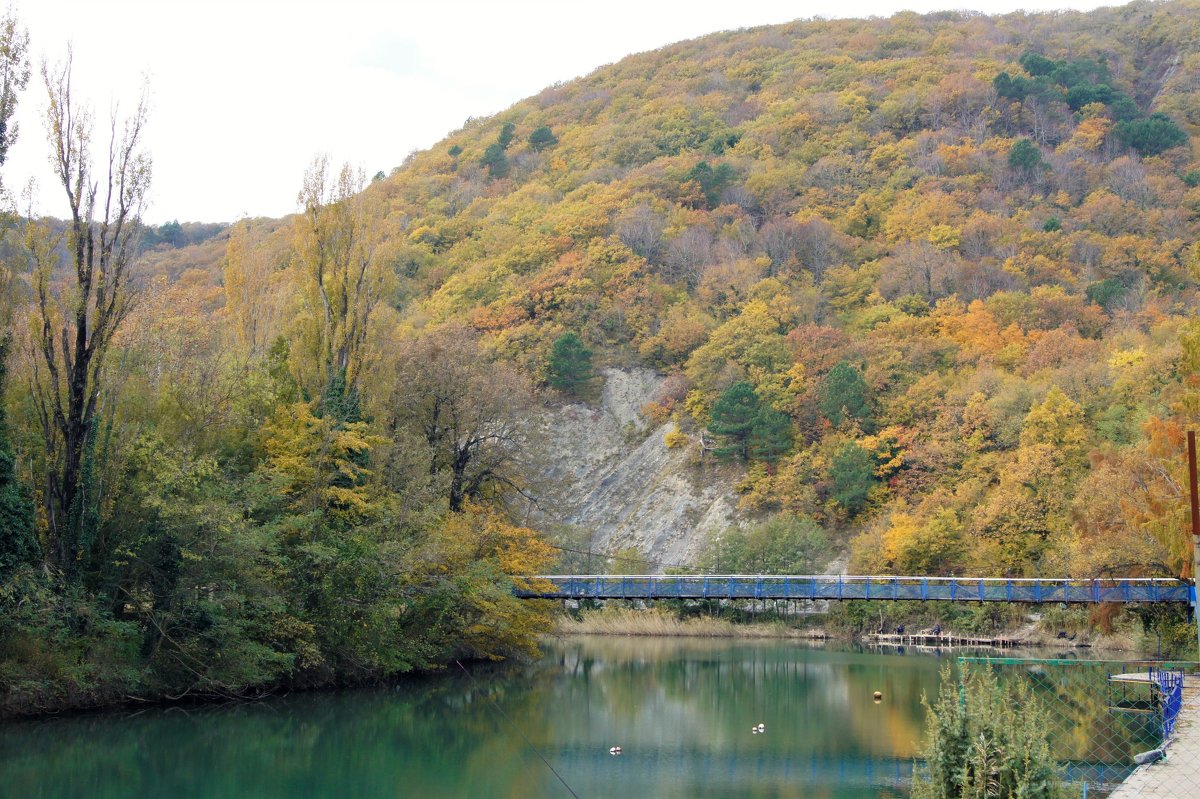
(495,160)
(844,394)
(542,138)
(570,366)
(770,435)
(852,474)
(733,417)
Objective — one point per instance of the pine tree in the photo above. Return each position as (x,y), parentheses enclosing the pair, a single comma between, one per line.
(844,394)
(852,474)
(495,160)
(542,138)
(733,417)
(506,134)
(570,367)
(770,435)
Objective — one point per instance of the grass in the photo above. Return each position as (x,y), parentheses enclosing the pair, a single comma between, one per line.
(628,621)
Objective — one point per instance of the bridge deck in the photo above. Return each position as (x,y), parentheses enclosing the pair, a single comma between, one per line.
(835,587)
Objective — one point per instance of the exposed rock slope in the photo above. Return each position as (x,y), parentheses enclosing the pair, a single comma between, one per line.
(606,472)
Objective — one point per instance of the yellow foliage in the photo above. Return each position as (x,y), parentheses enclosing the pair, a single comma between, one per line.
(1058,421)
(317,461)
(1089,135)
(1123,359)
(888,448)
(944,237)
(751,339)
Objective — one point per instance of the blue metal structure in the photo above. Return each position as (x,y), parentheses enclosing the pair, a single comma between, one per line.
(826,586)
(1170,692)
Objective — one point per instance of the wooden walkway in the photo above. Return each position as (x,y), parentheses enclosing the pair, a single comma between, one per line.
(1178,776)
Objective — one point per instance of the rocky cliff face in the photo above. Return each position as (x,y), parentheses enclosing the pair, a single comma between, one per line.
(607,472)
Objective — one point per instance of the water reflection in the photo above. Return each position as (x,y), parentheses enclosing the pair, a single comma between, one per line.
(681,709)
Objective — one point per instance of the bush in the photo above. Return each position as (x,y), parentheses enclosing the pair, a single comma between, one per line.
(985,739)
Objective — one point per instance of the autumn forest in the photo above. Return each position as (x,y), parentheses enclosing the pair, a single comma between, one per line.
(924,290)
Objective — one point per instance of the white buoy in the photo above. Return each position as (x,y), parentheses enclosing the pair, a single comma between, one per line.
(762,727)
(616,750)
(754,730)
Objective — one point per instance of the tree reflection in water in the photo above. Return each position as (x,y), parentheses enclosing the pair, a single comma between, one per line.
(682,709)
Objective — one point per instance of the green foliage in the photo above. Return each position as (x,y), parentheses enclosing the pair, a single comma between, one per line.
(770,435)
(1036,64)
(542,138)
(851,477)
(844,395)
(1167,631)
(912,304)
(986,739)
(1079,82)
(496,161)
(1052,224)
(505,137)
(1151,136)
(455,151)
(570,366)
(784,544)
(1106,293)
(1024,156)
(18,541)
(732,420)
(748,429)
(711,182)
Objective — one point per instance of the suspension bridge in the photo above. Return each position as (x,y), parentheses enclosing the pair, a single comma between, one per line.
(1030,590)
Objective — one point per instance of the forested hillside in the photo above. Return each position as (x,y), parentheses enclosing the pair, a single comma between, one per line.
(926,284)
(926,276)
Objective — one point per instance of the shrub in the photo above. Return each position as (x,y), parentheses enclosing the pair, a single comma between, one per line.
(986,739)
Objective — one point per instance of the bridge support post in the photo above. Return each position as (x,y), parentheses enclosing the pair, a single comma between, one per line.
(1195,601)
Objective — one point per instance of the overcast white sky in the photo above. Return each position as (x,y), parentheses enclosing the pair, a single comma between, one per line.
(245,93)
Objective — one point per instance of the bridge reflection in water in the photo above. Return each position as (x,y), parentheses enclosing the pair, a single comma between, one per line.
(835,587)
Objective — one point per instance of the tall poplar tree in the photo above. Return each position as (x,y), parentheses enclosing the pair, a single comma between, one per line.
(76,319)
(336,236)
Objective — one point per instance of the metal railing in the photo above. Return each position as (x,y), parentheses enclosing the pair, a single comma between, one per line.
(836,587)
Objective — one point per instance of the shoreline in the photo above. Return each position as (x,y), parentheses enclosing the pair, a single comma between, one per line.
(616,623)
(643,623)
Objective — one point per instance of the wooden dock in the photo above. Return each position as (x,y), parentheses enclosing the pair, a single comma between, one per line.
(1179,774)
(941,640)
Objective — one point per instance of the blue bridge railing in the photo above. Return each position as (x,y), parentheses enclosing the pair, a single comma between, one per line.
(823,586)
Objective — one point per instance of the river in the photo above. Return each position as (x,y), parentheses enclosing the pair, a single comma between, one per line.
(682,710)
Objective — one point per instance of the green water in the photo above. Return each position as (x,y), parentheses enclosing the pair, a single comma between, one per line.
(682,710)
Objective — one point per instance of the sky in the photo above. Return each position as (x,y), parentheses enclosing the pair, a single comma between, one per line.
(244,93)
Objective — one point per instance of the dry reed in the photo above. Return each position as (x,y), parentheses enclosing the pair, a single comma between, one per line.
(625,621)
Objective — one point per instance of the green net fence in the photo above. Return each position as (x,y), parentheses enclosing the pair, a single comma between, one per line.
(1117,729)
